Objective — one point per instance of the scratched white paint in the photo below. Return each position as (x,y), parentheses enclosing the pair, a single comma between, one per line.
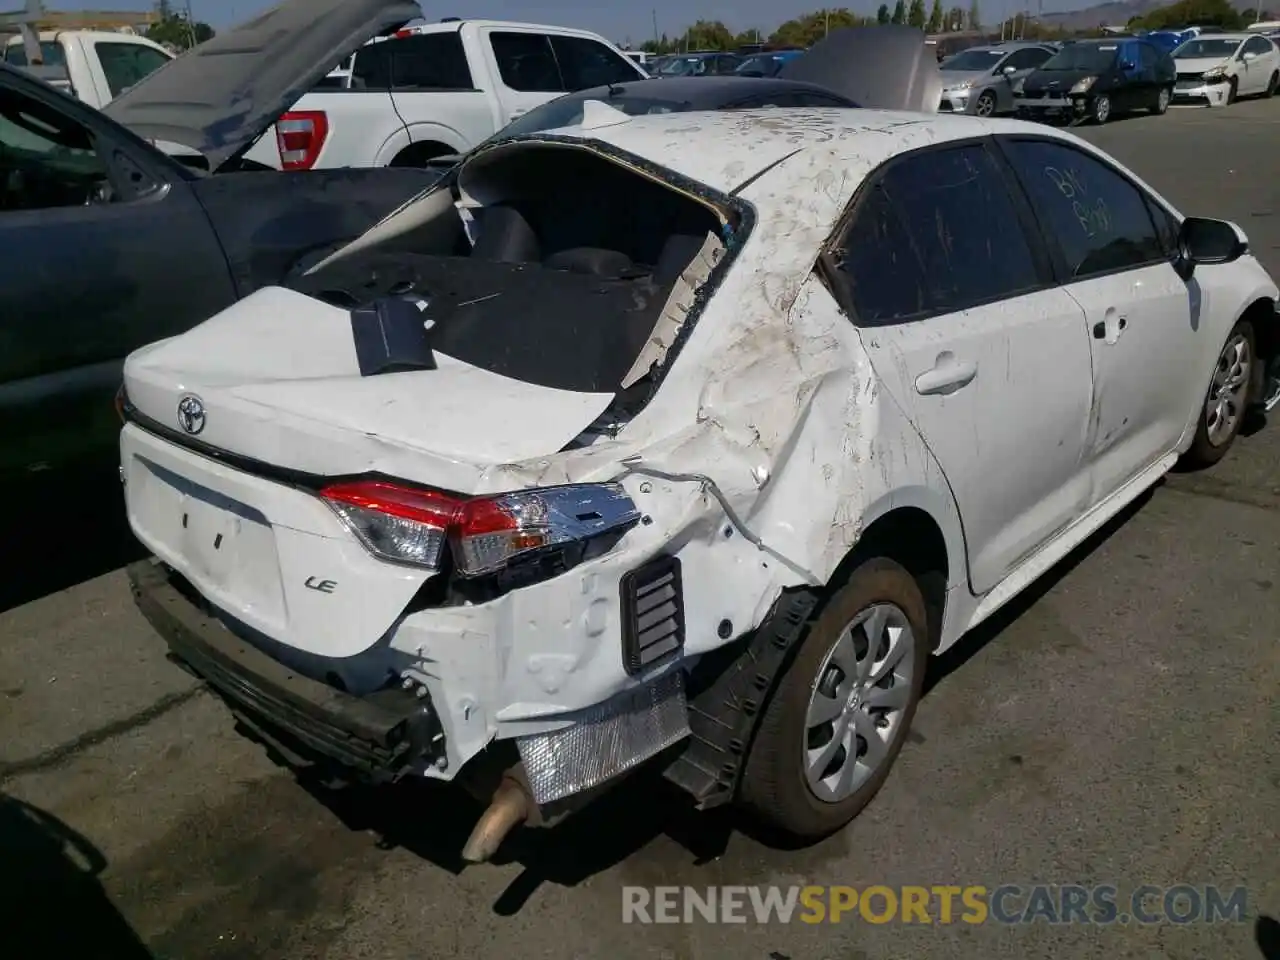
(776,402)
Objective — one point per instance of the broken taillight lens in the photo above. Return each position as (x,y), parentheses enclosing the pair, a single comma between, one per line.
(300,136)
(404,525)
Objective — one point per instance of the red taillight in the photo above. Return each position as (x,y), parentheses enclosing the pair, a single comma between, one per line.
(300,136)
(401,34)
(411,526)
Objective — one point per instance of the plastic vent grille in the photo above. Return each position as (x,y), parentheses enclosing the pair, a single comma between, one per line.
(652,613)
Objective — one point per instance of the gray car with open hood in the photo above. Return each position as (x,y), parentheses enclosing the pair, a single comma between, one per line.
(219,98)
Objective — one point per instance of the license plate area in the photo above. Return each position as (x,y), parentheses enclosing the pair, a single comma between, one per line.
(226,548)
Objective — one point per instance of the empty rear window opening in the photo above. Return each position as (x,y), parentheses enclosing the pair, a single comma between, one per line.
(557,266)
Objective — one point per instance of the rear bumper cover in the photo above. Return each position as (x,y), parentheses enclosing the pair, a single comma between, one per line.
(380,736)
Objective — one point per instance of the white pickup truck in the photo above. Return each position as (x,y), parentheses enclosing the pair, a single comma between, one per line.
(95,66)
(436,89)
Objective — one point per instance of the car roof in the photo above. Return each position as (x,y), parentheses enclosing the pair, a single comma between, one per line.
(702,92)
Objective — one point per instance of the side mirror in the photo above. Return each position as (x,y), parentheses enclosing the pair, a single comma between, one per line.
(1201,240)
(1248,55)
(1008,71)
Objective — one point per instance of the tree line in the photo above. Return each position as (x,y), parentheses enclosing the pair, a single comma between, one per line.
(172,28)
(806,30)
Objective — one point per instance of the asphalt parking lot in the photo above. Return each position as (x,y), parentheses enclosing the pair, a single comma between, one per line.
(1120,725)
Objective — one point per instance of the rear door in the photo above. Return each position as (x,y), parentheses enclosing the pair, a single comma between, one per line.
(105,249)
(1142,318)
(524,68)
(435,93)
(958,311)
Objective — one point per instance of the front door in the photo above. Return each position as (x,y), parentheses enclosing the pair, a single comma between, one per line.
(1141,316)
(100,257)
(988,360)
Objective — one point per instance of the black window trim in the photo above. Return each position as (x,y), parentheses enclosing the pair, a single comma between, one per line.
(838,282)
(397,87)
(1047,236)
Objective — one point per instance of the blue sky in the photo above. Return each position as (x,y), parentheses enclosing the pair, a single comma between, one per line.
(616,20)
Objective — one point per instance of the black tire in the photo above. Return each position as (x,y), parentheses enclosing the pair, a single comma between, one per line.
(775,788)
(1163,96)
(1100,109)
(1272,84)
(988,101)
(1204,452)
(1232,87)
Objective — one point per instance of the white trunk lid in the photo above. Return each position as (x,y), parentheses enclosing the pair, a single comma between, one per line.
(277,380)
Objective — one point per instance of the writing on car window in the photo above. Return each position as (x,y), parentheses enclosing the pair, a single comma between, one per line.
(1096,216)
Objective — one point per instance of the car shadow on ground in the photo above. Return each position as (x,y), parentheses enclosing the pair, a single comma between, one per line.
(433,820)
(61,529)
(1266,931)
(52,905)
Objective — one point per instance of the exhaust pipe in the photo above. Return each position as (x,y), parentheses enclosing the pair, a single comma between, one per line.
(511,806)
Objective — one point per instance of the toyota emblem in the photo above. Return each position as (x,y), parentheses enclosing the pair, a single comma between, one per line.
(191,414)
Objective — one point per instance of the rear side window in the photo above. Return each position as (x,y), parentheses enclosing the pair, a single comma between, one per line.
(1100,220)
(585,63)
(429,61)
(879,265)
(961,223)
(526,63)
(372,68)
(124,64)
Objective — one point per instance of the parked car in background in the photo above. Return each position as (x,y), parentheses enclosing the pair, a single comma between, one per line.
(110,243)
(766,64)
(981,80)
(1215,68)
(696,65)
(563,526)
(437,88)
(1095,79)
(676,95)
(94,66)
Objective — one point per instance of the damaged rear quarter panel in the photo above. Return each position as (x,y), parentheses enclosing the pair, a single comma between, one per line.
(773,399)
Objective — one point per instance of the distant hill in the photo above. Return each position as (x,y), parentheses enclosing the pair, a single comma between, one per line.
(1117,13)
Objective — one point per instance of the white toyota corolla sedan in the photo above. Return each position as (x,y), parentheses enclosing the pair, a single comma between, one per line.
(677,439)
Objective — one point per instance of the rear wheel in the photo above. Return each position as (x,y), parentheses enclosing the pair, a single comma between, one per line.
(838,719)
(1162,101)
(1272,84)
(1227,399)
(1233,88)
(1101,108)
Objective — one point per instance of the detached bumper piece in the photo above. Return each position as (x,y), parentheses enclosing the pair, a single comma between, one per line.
(380,736)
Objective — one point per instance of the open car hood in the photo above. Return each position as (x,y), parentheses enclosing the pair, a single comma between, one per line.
(888,67)
(219,97)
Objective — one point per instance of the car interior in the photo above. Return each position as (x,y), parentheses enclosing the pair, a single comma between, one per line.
(548,263)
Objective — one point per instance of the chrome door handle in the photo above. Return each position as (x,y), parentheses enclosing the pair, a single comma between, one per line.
(947,376)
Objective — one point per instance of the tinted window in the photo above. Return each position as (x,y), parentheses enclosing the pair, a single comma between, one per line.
(50,51)
(48,160)
(885,278)
(1206,49)
(1149,55)
(124,64)
(585,63)
(1258,45)
(372,68)
(1098,217)
(957,214)
(1094,57)
(1027,59)
(429,61)
(526,63)
(971,61)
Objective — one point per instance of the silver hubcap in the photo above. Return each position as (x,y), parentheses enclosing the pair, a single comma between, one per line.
(1225,405)
(985,106)
(857,703)
(1102,108)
